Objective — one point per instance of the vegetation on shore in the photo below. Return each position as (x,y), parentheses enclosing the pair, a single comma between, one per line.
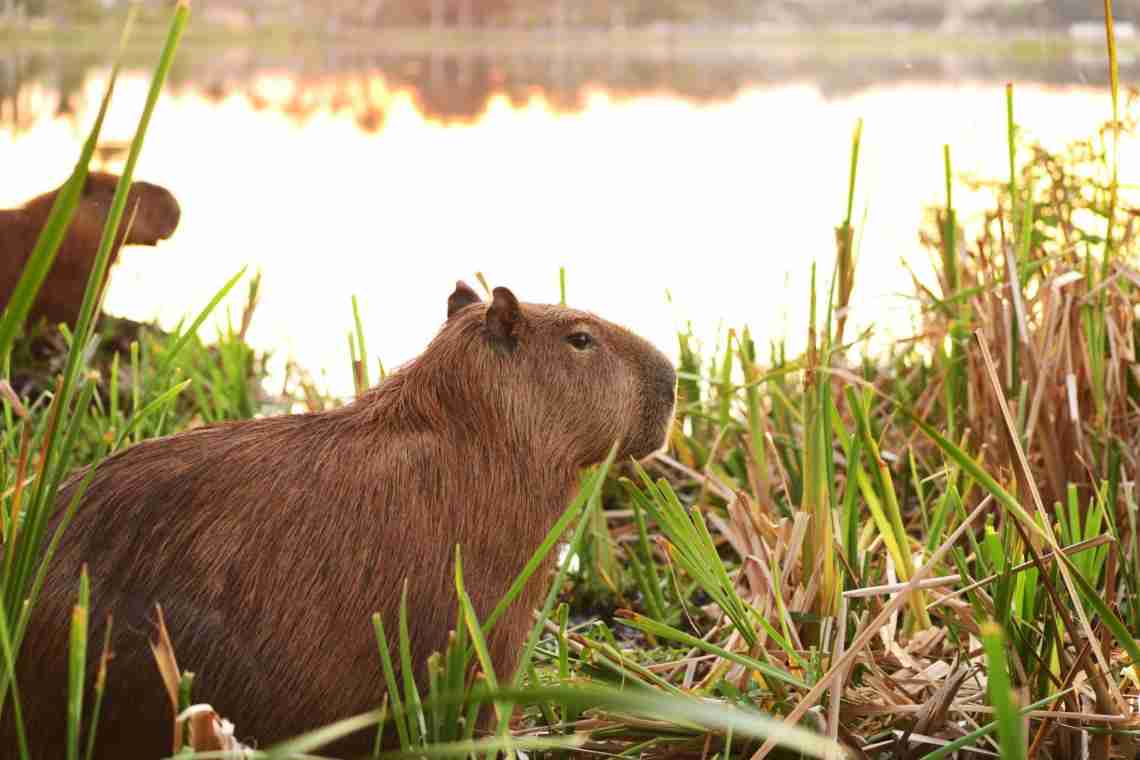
(680,39)
(903,554)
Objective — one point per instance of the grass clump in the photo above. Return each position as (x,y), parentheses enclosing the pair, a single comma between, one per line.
(75,406)
(978,477)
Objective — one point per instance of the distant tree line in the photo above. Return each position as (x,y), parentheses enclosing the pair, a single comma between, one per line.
(615,13)
(643,12)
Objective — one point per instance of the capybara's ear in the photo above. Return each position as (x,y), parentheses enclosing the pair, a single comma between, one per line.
(503,316)
(463,296)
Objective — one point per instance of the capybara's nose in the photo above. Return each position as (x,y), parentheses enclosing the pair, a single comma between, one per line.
(160,207)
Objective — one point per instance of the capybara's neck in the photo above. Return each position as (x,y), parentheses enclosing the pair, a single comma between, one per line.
(490,449)
(509,486)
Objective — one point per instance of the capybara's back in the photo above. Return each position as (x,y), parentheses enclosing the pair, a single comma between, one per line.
(270,542)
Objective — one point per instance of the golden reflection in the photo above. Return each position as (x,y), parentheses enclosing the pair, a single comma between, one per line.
(347,188)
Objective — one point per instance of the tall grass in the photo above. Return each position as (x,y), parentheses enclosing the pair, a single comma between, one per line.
(76,423)
(1016,403)
(30,501)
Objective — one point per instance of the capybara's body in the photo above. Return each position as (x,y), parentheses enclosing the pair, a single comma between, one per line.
(61,295)
(269,543)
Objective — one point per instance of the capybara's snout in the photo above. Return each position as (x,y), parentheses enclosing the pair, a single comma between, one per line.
(158,214)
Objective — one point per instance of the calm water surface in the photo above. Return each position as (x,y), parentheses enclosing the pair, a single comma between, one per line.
(352,183)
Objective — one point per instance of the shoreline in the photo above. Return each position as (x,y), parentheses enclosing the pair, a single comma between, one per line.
(669,40)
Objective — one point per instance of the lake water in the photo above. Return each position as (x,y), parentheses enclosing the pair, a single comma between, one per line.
(719,182)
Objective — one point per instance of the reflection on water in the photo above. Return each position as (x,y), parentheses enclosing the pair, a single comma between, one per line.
(458,88)
(386,186)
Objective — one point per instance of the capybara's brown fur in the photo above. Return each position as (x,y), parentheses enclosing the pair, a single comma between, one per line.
(61,295)
(269,543)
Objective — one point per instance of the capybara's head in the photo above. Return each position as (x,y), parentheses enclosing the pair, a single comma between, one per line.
(157,215)
(560,376)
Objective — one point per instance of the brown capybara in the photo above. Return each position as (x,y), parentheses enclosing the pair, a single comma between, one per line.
(270,542)
(61,295)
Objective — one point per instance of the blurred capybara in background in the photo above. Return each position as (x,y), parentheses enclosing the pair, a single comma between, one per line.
(61,295)
(270,542)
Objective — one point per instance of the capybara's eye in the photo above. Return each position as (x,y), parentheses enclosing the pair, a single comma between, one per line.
(580,340)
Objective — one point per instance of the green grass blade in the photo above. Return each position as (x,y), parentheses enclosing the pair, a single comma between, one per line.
(91,295)
(360,342)
(1010,726)
(152,406)
(593,486)
(648,625)
(417,726)
(77,666)
(393,693)
(100,686)
(551,540)
(172,353)
(471,621)
(9,652)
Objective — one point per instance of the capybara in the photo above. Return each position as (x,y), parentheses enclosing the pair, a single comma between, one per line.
(61,295)
(270,542)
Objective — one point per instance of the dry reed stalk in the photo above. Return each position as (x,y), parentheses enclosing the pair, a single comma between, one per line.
(831,679)
(1046,532)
